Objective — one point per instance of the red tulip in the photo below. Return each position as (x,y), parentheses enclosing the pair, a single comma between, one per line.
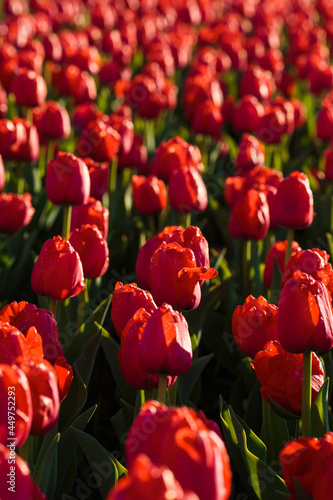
(16,211)
(313,262)
(258,82)
(272,125)
(92,248)
(16,400)
(14,344)
(254,323)
(187,443)
(91,212)
(123,124)
(99,177)
(250,154)
(149,194)
(247,114)
(277,252)
(165,345)
(23,315)
(280,374)
(309,461)
(3,102)
(64,373)
(293,203)
(150,482)
(249,216)
(187,190)
(99,141)
(174,277)
(2,174)
(29,88)
(207,118)
(325,123)
(58,271)
(328,168)
(306,301)
(71,81)
(18,140)
(126,300)
(137,157)
(52,121)
(85,113)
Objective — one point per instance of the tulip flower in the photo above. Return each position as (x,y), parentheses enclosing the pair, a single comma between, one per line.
(85,113)
(64,373)
(2,174)
(29,88)
(23,315)
(52,121)
(249,216)
(174,276)
(272,125)
(258,82)
(98,140)
(308,303)
(16,211)
(126,300)
(67,180)
(92,248)
(187,443)
(313,262)
(187,191)
(280,375)
(254,323)
(251,153)
(309,461)
(277,252)
(71,81)
(325,123)
(137,157)
(58,271)
(99,177)
(247,114)
(328,166)
(146,481)
(128,355)
(207,118)
(165,345)
(18,140)
(15,392)
(293,203)
(91,212)
(149,194)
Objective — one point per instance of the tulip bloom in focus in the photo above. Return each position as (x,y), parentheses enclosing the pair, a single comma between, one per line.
(149,194)
(186,442)
(92,248)
(174,276)
(254,323)
(308,303)
(280,374)
(91,212)
(67,180)
(165,346)
(187,190)
(58,271)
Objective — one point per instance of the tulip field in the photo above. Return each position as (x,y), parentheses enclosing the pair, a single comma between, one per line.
(166,247)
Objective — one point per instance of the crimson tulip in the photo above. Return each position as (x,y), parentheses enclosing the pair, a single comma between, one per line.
(293,203)
(16,211)
(187,190)
(2,174)
(126,300)
(328,167)
(29,88)
(308,303)
(250,154)
(15,392)
(52,121)
(254,323)
(247,114)
(18,140)
(272,125)
(98,140)
(85,113)
(149,194)
(277,252)
(92,248)
(280,374)
(71,81)
(187,443)
(147,481)
(207,118)
(67,180)
(91,212)
(174,276)
(99,177)
(58,271)
(325,123)
(250,216)
(137,157)
(309,461)
(258,82)
(165,345)
(23,315)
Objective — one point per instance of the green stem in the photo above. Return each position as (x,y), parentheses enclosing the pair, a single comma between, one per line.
(246,266)
(26,452)
(161,390)
(28,115)
(151,224)
(266,428)
(187,219)
(150,136)
(83,300)
(42,160)
(290,237)
(113,180)
(148,394)
(306,394)
(53,306)
(50,150)
(66,223)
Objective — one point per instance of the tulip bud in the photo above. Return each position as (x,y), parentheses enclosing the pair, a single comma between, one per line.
(91,212)
(247,114)
(187,190)
(308,303)
(92,249)
(293,203)
(126,300)
(149,194)
(165,345)
(29,88)
(254,324)
(251,153)
(58,271)
(249,216)
(280,374)
(16,211)
(52,121)
(174,277)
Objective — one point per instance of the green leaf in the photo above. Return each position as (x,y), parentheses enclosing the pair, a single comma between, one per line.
(187,381)
(319,412)
(85,363)
(274,432)
(276,284)
(71,406)
(100,460)
(46,475)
